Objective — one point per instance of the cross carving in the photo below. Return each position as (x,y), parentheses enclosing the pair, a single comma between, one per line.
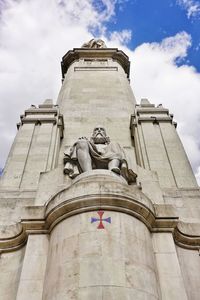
(101,220)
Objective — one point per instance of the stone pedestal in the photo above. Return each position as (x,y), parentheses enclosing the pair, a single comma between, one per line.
(116,262)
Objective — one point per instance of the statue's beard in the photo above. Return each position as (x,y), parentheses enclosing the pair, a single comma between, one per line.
(99,139)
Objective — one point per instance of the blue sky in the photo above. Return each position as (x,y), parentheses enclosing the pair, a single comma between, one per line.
(151,21)
(161,38)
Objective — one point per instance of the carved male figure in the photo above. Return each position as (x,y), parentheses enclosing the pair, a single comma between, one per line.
(97,153)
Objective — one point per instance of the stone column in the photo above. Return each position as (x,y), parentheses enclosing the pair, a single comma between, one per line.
(10,269)
(170,277)
(33,270)
(190,266)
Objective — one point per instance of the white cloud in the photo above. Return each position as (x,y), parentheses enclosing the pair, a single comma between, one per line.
(121,37)
(192,7)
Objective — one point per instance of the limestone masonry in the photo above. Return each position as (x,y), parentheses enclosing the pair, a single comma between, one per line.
(98,199)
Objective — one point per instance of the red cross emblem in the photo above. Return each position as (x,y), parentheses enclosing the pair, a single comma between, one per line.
(101,220)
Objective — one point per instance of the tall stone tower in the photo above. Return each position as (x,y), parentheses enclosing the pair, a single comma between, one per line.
(89,211)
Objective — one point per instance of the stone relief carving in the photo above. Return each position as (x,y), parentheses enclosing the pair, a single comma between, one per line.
(97,153)
(94,43)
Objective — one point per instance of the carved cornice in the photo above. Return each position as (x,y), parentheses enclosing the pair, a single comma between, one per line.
(78,53)
(153,115)
(40,115)
(42,219)
(39,120)
(35,111)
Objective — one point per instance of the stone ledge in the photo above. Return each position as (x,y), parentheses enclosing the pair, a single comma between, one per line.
(98,183)
(39,120)
(37,111)
(185,237)
(155,110)
(15,236)
(110,194)
(99,175)
(78,53)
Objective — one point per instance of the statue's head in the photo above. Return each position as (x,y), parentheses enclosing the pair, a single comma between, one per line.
(99,135)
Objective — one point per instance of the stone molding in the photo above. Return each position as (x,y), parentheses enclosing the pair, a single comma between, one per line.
(14,239)
(39,120)
(122,198)
(42,115)
(35,111)
(149,110)
(186,239)
(79,53)
(151,114)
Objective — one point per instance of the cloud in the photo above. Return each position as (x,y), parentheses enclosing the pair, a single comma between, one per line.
(121,37)
(192,7)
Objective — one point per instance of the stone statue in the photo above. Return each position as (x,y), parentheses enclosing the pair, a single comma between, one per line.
(94,43)
(97,153)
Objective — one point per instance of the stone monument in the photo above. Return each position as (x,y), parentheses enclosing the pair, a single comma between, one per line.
(98,216)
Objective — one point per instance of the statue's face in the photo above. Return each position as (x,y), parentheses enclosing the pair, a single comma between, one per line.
(99,130)
(99,135)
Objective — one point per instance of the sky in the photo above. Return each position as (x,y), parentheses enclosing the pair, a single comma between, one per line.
(161,38)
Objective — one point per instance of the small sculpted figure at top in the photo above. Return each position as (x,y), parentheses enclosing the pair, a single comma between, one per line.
(94,44)
(97,153)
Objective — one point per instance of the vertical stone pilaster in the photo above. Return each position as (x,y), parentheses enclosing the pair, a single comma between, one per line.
(36,147)
(33,270)
(158,146)
(178,159)
(190,265)
(16,161)
(10,269)
(169,272)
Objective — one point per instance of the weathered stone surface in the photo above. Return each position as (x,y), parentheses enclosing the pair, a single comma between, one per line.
(67,256)
(33,270)
(190,266)
(10,268)
(169,272)
(159,146)
(100,258)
